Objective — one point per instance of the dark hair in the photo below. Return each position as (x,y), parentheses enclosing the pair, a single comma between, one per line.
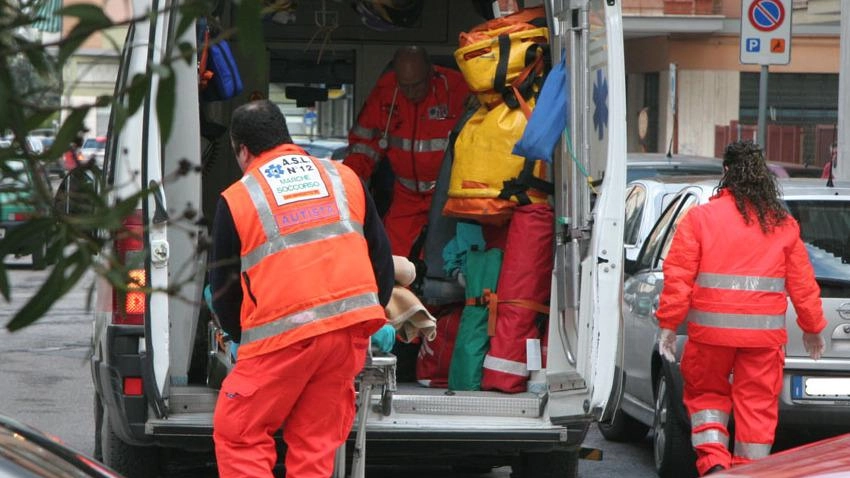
(259,125)
(752,184)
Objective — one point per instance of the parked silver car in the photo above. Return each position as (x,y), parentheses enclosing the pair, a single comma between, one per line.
(816,394)
(645,201)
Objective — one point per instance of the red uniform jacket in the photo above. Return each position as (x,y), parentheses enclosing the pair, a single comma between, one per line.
(730,280)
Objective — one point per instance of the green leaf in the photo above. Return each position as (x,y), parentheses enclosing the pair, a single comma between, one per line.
(4,282)
(165,104)
(250,31)
(19,237)
(87,13)
(64,276)
(91,19)
(136,92)
(71,127)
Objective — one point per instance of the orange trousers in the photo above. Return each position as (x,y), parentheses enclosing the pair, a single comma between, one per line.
(308,388)
(407,215)
(719,380)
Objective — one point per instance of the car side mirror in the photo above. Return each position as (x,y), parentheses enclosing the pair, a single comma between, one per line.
(77,193)
(630,267)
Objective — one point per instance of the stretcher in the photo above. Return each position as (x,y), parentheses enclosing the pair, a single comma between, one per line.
(378,375)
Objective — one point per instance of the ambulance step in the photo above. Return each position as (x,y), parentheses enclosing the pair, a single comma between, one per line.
(192,399)
(414,399)
(181,424)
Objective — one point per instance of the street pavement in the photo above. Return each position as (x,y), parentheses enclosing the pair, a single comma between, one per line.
(46,383)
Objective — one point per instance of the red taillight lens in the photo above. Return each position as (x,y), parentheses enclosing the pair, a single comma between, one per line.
(19,216)
(132,385)
(129,247)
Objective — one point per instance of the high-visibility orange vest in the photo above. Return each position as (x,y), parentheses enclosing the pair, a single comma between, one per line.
(305,267)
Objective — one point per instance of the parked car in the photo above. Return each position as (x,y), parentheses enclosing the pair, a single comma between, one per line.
(815,393)
(826,458)
(26,453)
(94,148)
(18,182)
(645,201)
(794,170)
(647,165)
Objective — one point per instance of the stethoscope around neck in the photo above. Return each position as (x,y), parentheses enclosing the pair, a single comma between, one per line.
(384,141)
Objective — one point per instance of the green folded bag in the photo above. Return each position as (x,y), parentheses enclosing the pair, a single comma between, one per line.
(465,370)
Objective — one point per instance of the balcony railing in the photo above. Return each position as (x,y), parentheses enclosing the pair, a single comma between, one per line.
(671,7)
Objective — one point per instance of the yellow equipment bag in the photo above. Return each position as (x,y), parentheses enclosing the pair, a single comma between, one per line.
(487,180)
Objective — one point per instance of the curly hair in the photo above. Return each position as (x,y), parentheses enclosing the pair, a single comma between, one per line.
(752,185)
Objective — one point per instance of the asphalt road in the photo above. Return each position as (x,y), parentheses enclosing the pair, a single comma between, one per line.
(46,382)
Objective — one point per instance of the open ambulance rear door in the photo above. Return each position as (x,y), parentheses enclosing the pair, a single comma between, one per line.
(585,335)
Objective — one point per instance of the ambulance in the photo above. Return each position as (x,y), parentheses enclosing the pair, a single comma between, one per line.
(155,352)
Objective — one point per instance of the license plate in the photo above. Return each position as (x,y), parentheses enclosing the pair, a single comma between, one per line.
(820,387)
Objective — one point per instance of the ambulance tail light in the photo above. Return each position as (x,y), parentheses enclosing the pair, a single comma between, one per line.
(129,305)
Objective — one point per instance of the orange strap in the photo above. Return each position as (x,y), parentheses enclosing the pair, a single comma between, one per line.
(537,67)
(204,75)
(491,300)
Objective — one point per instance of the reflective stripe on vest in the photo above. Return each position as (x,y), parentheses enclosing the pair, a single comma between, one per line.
(365,133)
(420,145)
(736,282)
(704,437)
(324,311)
(366,150)
(704,417)
(505,366)
(737,321)
(276,242)
(752,451)
(418,186)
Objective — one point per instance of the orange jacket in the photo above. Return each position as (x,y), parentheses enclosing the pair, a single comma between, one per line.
(730,280)
(417,134)
(305,265)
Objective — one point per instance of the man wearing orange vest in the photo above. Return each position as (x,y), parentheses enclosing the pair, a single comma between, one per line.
(407,118)
(301,269)
(728,270)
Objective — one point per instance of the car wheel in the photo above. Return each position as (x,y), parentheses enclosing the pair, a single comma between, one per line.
(129,460)
(674,456)
(554,464)
(623,428)
(98,425)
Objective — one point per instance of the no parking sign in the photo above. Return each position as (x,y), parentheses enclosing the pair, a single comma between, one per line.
(766,32)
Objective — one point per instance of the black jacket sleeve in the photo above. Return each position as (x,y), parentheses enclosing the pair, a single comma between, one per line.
(224,272)
(379,250)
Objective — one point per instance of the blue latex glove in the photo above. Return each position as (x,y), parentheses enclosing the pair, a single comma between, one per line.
(384,338)
(234,348)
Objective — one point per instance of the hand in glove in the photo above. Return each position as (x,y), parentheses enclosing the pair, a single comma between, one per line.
(814,345)
(667,344)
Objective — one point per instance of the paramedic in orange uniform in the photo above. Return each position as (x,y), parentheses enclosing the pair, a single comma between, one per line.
(301,269)
(730,266)
(407,119)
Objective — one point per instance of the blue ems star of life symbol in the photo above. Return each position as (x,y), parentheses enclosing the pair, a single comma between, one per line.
(600,102)
(274,171)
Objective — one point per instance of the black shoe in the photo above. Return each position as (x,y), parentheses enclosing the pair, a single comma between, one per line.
(714,469)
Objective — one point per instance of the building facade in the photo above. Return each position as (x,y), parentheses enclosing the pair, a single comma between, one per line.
(714,98)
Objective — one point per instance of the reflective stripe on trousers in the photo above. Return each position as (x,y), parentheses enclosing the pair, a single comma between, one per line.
(708,437)
(752,451)
(704,417)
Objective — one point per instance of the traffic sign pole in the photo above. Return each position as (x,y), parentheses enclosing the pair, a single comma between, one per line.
(762,128)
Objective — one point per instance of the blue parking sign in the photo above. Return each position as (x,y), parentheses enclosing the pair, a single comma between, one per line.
(753,45)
